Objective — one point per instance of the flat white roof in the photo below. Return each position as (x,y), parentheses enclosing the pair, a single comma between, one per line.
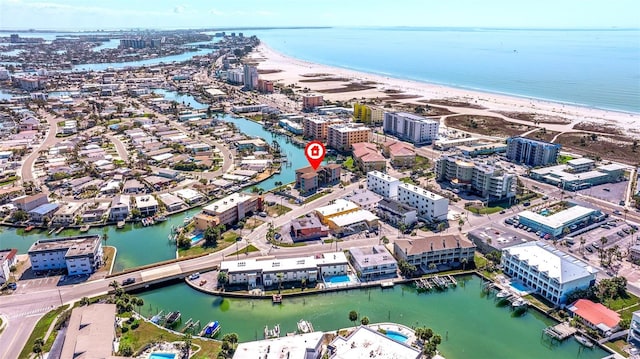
(559,219)
(580,161)
(146,201)
(293,347)
(228,202)
(383,176)
(421,191)
(340,205)
(284,264)
(557,264)
(365,341)
(188,194)
(353,217)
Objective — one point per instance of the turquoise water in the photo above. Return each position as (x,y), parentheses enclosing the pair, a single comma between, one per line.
(399,337)
(338,279)
(519,286)
(471,323)
(545,212)
(162,356)
(181,98)
(595,68)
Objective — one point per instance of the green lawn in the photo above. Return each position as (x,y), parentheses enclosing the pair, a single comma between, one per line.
(618,346)
(563,159)
(485,210)
(408,180)
(539,302)
(40,330)
(315,196)
(244,250)
(230,236)
(480,261)
(422,163)
(348,163)
(8,180)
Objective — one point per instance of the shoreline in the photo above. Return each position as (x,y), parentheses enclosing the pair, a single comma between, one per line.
(293,70)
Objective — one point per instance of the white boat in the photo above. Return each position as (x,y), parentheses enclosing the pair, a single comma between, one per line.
(305,326)
(120,224)
(161,218)
(584,341)
(84,228)
(519,303)
(211,329)
(187,220)
(272,333)
(502,294)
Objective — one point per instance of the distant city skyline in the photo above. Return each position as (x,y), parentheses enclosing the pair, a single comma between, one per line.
(173,14)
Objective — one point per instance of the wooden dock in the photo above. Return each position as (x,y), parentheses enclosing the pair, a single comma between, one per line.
(560,331)
(423,284)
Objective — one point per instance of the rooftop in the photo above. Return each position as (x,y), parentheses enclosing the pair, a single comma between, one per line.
(90,333)
(293,347)
(383,176)
(354,217)
(595,313)
(420,191)
(339,206)
(366,343)
(226,203)
(75,246)
(45,208)
(434,243)
(371,256)
(558,219)
(557,264)
(395,206)
(305,222)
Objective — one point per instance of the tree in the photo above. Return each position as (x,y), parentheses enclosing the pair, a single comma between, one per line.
(186,346)
(353,316)
(19,216)
(364,320)
(114,284)
(464,261)
(37,347)
(232,338)
(432,266)
(406,268)
(280,277)
(84,301)
(126,350)
(384,240)
(223,278)
(211,235)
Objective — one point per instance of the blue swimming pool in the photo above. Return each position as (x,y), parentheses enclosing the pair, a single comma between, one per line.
(545,212)
(339,279)
(519,286)
(162,356)
(399,337)
(197,237)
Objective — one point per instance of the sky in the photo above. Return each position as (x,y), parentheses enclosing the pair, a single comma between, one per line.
(169,14)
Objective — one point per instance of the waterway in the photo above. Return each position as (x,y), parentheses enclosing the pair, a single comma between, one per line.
(474,325)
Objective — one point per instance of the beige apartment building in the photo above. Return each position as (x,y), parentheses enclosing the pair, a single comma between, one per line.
(342,137)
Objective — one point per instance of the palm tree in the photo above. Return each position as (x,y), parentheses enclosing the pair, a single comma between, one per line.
(464,261)
(364,320)
(114,284)
(186,346)
(384,240)
(353,316)
(223,278)
(582,242)
(402,227)
(280,276)
(432,266)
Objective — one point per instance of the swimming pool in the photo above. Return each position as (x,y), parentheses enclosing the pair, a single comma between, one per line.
(519,287)
(339,279)
(399,337)
(545,212)
(197,237)
(162,356)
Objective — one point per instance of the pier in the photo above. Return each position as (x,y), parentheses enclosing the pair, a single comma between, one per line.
(560,331)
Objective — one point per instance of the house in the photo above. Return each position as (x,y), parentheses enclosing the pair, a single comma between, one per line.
(27,203)
(446,250)
(365,342)
(95,212)
(189,195)
(7,261)
(367,157)
(68,213)
(373,263)
(596,316)
(307,345)
(147,205)
(396,213)
(119,208)
(171,202)
(38,214)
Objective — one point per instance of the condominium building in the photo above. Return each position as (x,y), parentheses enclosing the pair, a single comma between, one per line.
(532,152)
(579,173)
(91,332)
(550,272)
(400,153)
(269,272)
(449,250)
(373,263)
(309,102)
(233,208)
(368,114)
(396,213)
(430,206)
(250,78)
(413,128)
(633,337)
(367,157)
(342,137)
(265,86)
(383,184)
(78,255)
(482,178)
(316,128)
(309,180)
(235,76)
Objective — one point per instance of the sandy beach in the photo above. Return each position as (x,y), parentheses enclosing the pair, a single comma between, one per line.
(331,82)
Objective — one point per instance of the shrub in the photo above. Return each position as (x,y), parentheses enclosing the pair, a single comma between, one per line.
(125,329)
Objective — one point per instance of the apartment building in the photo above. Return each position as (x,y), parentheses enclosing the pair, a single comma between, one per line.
(413,128)
(341,137)
(482,178)
(373,263)
(448,250)
(233,208)
(309,180)
(317,128)
(367,157)
(548,271)
(78,255)
(309,102)
(430,206)
(532,152)
(67,213)
(250,77)
(368,114)
(383,184)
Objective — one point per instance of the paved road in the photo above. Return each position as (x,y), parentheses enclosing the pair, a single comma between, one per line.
(26,172)
(122,150)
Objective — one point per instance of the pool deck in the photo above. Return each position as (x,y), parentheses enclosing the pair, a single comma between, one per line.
(398,328)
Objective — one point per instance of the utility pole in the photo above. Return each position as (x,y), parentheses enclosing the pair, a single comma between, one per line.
(60,295)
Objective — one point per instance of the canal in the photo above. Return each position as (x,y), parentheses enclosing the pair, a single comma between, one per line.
(474,325)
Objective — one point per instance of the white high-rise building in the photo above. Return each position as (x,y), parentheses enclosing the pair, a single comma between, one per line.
(431,207)
(383,184)
(413,128)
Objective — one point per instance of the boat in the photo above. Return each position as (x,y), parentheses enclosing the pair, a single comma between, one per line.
(186,220)
(519,303)
(304,326)
(58,230)
(502,294)
(172,318)
(51,231)
(160,218)
(584,341)
(156,318)
(85,228)
(277,298)
(29,229)
(120,224)
(211,329)
(272,333)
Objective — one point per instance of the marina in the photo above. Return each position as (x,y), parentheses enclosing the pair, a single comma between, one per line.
(272,333)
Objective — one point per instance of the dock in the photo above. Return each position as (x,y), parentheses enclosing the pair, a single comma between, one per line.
(560,331)
(386,285)
(423,284)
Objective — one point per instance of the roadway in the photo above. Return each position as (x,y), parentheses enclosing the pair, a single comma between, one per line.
(26,171)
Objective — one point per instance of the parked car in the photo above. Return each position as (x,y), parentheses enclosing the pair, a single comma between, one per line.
(545,198)
(262,214)
(128,281)
(595,245)
(194,276)
(526,204)
(12,286)
(277,236)
(620,233)
(589,249)
(503,212)
(616,212)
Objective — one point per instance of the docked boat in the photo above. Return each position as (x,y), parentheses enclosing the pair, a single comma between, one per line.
(172,318)
(187,220)
(85,228)
(276,298)
(58,230)
(584,341)
(520,302)
(211,329)
(160,218)
(120,224)
(304,326)
(272,333)
(502,294)
(156,318)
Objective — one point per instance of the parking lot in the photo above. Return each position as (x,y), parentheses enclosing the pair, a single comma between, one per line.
(610,192)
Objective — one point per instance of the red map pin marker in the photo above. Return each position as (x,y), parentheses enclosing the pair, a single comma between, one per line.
(315,151)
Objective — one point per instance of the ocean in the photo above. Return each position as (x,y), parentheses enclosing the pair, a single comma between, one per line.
(592,68)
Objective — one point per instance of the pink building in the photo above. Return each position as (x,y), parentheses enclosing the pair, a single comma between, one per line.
(309,102)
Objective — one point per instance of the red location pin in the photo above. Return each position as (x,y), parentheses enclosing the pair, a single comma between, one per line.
(315,152)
